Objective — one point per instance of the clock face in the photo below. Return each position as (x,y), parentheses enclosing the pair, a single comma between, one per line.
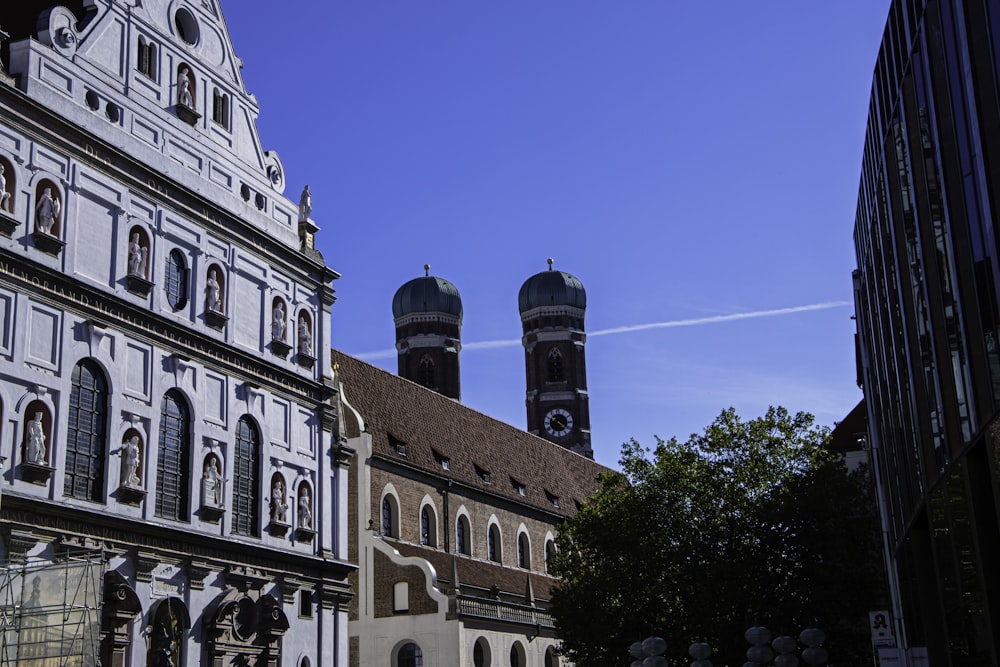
(558,422)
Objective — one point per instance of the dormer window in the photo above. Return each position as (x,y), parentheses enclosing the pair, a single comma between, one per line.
(518,486)
(397,444)
(442,460)
(484,475)
(552,498)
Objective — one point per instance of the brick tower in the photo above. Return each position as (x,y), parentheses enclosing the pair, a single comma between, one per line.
(553,305)
(428,316)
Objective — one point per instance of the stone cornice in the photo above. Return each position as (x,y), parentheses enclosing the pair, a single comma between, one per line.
(50,522)
(103,308)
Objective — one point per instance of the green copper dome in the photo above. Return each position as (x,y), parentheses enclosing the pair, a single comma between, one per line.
(551,288)
(427,294)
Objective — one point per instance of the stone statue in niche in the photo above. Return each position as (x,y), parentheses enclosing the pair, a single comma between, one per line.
(305,337)
(211,482)
(36,441)
(4,195)
(136,257)
(279,508)
(305,509)
(184,97)
(278,322)
(212,293)
(46,212)
(130,462)
(305,205)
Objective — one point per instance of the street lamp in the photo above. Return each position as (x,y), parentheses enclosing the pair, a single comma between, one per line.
(763,649)
(649,652)
(701,652)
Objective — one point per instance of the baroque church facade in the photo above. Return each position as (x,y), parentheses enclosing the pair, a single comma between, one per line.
(174,480)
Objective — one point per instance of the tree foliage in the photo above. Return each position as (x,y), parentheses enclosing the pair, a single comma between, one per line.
(749,523)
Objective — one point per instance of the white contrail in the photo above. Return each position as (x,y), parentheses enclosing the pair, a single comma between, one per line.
(513,342)
(720,318)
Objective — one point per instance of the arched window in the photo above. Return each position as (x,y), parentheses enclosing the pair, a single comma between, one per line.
(550,551)
(86,434)
(175,280)
(146,60)
(425,372)
(554,366)
(551,659)
(410,656)
(523,551)
(426,523)
(246,492)
(220,108)
(517,656)
(462,544)
(172,472)
(493,548)
(481,653)
(390,517)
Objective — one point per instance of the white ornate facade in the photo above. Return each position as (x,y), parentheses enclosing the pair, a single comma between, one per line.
(167,416)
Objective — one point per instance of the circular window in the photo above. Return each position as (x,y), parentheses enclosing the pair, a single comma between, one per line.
(187,26)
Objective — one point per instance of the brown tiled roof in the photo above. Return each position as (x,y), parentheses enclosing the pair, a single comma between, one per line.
(512,581)
(433,426)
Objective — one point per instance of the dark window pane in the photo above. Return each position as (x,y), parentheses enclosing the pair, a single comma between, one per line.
(85,440)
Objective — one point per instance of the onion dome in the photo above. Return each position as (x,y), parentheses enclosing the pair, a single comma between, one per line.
(551,288)
(427,294)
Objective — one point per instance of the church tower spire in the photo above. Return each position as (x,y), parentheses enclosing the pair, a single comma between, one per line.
(553,305)
(428,315)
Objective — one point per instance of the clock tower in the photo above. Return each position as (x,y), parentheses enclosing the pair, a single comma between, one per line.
(428,315)
(552,305)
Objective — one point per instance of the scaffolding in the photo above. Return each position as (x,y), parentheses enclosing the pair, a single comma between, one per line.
(50,613)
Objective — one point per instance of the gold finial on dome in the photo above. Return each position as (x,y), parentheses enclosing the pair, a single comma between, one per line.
(550,260)
(427,270)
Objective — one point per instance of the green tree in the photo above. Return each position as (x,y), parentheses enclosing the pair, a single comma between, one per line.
(749,523)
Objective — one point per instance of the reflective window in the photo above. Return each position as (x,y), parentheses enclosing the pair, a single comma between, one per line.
(172,471)
(175,280)
(410,656)
(86,434)
(246,493)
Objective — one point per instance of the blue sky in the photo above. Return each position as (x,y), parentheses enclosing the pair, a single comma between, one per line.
(691,162)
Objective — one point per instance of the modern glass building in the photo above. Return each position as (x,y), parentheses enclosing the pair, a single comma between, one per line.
(928,310)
